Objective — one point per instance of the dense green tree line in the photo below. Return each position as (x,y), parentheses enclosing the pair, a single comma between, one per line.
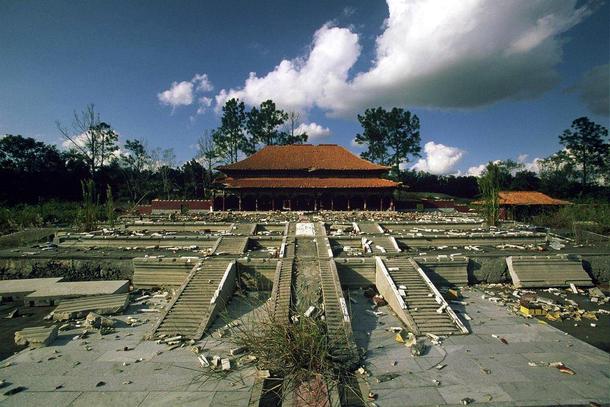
(32,171)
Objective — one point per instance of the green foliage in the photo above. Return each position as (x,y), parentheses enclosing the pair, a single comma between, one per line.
(91,139)
(135,163)
(263,124)
(242,132)
(587,149)
(489,184)
(88,215)
(300,352)
(135,156)
(24,216)
(455,186)
(592,215)
(110,214)
(390,136)
(230,138)
(31,171)
(525,181)
(26,154)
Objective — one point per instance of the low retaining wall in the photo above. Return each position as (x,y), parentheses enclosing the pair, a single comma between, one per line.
(26,237)
(353,273)
(70,269)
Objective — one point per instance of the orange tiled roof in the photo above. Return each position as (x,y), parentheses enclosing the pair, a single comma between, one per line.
(526,198)
(309,183)
(303,157)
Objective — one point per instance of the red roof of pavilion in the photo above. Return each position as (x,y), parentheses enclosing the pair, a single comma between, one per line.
(303,157)
(525,198)
(309,183)
(528,198)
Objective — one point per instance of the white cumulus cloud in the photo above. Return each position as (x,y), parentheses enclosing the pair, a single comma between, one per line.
(204,103)
(301,83)
(523,159)
(183,93)
(476,171)
(533,165)
(439,159)
(447,54)
(313,130)
(179,94)
(202,83)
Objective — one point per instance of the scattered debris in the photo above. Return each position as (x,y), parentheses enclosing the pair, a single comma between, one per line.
(13,314)
(379,301)
(310,311)
(98,321)
(226,364)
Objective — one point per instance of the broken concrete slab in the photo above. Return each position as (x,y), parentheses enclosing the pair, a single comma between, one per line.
(54,292)
(547,271)
(15,290)
(37,336)
(100,304)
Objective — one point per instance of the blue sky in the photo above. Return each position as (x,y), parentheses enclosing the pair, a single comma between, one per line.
(489,80)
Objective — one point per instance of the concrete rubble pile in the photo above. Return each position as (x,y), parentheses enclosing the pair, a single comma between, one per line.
(552,304)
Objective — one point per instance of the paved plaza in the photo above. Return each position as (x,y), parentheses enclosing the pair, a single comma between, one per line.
(477,367)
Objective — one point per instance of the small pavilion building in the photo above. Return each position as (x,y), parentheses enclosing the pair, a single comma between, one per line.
(521,205)
(305,177)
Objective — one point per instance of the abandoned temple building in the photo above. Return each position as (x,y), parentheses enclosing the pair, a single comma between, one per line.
(305,177)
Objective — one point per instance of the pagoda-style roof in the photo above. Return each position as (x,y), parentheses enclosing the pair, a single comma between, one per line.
(304,157)
(318,183)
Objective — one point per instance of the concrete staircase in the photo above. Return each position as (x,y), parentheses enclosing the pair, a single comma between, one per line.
(369,228)
(290,247)
(244,229)
(282,290)
(206,290)
(231,245)
(383,245)
(422,299)
(338,323)
(305,247)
